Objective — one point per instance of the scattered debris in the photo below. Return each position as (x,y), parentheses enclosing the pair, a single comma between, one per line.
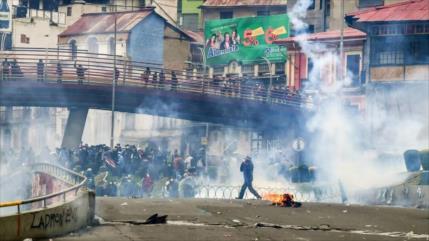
(345,211)
(154,219)
(124,204)
(236,221)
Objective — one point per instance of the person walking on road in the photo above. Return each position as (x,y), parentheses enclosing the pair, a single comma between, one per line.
(246,168)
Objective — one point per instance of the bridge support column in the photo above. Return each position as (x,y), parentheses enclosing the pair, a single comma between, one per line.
(74,128)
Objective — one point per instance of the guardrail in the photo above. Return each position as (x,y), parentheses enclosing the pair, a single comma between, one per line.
(80,67)
(75,179)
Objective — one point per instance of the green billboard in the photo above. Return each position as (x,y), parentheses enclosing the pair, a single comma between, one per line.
(245,40)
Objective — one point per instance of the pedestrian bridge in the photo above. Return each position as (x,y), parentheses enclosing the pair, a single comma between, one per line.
(59,78)
(60,203)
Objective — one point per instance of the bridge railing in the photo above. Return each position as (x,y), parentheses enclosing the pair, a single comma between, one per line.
(76,180)
(65,66)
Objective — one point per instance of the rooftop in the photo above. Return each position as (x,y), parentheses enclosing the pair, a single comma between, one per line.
(241,3)
(95,23)
(334,35)
(412,10)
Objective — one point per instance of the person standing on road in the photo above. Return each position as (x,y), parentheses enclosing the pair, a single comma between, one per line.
(246,168)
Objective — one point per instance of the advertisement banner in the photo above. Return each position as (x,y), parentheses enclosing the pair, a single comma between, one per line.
(5,16)
(245,40)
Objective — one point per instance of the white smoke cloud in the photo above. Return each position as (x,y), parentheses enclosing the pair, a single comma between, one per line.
(348,146)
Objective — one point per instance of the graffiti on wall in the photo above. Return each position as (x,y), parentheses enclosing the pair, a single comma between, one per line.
(42,220)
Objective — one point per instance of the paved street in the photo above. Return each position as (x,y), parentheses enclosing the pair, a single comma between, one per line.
(200,219)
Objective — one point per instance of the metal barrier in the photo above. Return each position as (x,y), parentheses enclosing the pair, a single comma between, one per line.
(66,66)
(75,179)
(231,192)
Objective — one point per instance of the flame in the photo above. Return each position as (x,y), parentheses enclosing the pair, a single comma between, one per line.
(273,197)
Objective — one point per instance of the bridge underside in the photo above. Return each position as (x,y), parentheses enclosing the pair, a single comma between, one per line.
(231,111)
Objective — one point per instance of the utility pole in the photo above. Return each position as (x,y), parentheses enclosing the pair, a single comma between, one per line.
(341,75)
(271,77)
(112,130)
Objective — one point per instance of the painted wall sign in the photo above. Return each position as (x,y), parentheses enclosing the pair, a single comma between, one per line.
(245,39)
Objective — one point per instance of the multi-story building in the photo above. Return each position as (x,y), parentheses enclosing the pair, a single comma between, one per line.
(189,14)
(396,60)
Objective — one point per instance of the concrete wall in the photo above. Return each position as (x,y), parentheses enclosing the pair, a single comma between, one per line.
(398,73)
(58,219)
(38,32)
(314,16)
(238,12)
(146,40)
(176,50)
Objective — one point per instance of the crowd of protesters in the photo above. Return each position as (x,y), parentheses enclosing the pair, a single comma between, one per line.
(138,172)
(125,171)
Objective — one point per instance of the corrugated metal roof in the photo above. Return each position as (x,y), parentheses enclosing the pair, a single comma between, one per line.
(412,10)
(198,37)
(233,3)
(94,23)
(349,33)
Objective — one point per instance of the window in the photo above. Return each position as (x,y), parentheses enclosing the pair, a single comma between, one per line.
(310,66)
(69,11)
(73,49)
(310,28)
(280,68)
(92,45)
(399,50)
(25,39)
(247,69)
(265,12)
(312,5)
(104,9)
(418,51)
(111,43)
(353,68)
(190,21)
(263,69)
(328,7)
(226,14)
(218,70)
(370,3)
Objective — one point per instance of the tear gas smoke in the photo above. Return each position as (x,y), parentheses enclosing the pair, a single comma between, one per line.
(346,145)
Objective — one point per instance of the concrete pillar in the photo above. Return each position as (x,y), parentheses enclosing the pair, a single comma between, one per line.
(74,128)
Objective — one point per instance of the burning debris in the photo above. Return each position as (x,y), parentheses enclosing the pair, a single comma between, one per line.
(282,200)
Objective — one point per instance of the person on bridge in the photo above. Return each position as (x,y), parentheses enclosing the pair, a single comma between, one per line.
(246,168)
(40,70)
(59,72)
(161,79)
(15,70)
(80,72)
(174,81)
(154,79)
(117,73)
(5,69)
(145,76)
